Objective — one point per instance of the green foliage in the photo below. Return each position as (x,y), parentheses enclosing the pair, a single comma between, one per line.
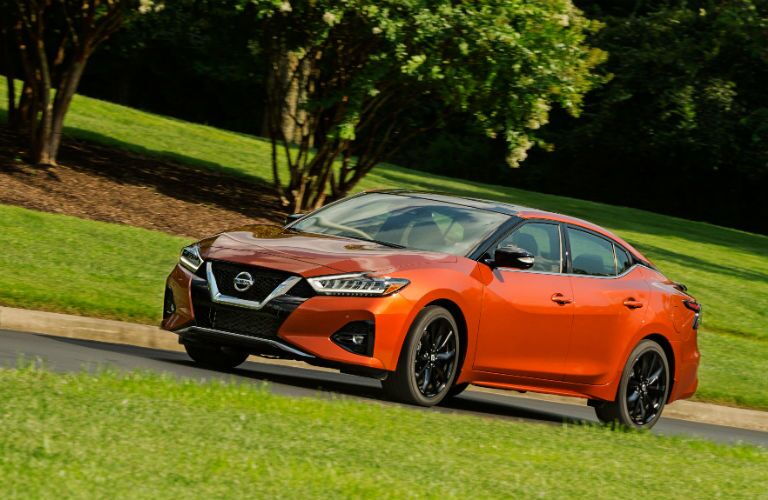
(189,51)
(707,62)
(143,435)
(685,113)
(366,69)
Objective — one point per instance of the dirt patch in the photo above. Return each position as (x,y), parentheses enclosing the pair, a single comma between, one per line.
(111,185)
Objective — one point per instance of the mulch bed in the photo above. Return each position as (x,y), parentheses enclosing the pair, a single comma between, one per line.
(112,185)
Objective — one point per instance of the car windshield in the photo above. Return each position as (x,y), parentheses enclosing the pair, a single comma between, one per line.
(405,222)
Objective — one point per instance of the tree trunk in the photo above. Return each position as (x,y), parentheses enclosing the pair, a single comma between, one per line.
(64,95)
(24,110)
(293,73)
(10,76)
(41,133)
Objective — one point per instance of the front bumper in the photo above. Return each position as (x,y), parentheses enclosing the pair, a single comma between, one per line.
(231,339)
(288,326)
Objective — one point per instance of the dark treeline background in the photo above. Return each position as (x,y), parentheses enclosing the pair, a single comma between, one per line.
(681,127)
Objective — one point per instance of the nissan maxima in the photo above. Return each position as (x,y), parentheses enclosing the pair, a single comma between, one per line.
(430,293)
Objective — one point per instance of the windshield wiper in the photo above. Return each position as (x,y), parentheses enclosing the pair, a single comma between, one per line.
(380,242)
(384,243)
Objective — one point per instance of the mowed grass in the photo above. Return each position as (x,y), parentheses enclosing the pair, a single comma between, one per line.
(163,438)
(65,264)
(78,266)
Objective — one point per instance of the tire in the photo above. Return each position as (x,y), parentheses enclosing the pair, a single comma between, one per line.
(643,389)
(428,360)
(456,390)
(213,356)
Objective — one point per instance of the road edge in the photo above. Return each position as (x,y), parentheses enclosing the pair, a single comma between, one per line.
(121,332)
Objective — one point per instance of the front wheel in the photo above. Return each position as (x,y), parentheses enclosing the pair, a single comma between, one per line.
(213,356)
(643,389)
(428,361)
(456,390)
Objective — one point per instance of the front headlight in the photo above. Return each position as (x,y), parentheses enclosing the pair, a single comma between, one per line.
(357,284)
(190,257)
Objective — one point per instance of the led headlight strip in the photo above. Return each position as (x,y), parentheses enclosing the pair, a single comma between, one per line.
(356,284)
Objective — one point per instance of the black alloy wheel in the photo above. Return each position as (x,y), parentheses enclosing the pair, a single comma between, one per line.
(435,358)
(646,388)
(429,359)
(643,389)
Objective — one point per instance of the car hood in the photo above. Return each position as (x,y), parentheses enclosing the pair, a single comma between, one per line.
(313,254)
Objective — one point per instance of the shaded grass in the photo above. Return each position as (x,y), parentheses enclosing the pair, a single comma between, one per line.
(161,438)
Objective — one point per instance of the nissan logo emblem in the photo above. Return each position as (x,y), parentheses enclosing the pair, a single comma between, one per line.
(243,281)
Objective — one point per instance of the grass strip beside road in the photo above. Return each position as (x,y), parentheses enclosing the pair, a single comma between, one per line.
(161,437)
(77,266)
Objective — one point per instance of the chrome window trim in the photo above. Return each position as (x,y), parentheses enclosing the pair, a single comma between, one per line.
(220,298)
(275,343)
(566,250)
(629,270)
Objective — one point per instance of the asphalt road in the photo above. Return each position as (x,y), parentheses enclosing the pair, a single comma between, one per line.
(68,355)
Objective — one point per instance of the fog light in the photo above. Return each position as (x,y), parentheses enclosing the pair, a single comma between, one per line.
(356,337)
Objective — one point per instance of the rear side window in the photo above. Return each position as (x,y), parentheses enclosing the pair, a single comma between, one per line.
(590,254)
(623,261)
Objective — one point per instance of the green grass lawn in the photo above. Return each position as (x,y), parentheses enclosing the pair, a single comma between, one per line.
(83,267)
(162,438)
(117,272)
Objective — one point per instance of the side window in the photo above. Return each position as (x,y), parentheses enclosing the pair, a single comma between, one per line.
(540,239)
(623,261)
(591,254)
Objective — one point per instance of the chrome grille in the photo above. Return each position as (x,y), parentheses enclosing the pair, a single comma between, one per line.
(265,280)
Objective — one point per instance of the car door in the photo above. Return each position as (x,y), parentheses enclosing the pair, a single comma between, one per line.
(610,300)
(525,324)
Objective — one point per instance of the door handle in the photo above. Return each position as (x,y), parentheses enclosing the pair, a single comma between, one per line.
(632,303)
(561,299)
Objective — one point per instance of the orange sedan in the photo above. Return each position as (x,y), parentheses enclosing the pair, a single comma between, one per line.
(430,293)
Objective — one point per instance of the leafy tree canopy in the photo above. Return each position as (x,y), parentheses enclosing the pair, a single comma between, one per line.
(348,75)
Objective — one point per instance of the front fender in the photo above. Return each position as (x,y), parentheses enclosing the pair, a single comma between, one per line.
(429,286)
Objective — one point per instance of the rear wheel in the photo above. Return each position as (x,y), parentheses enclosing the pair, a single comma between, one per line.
(643,389)
(428,362)
(214,356)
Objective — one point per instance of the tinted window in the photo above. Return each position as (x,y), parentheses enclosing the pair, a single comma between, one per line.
(591,254)
(623,262)
(411,222)
(540,239)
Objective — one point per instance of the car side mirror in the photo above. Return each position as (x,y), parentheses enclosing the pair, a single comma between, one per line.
(514,257)
(292,218)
